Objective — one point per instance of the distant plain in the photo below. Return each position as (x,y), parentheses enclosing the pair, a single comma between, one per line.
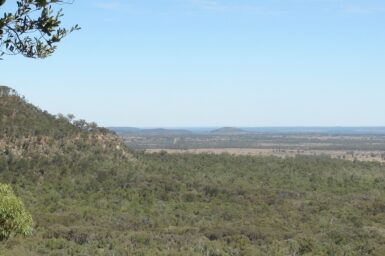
(349,143)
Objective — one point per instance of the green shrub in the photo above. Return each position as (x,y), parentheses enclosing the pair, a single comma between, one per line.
(13,217)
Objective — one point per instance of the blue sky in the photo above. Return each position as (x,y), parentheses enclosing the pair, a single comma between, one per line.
(179,63)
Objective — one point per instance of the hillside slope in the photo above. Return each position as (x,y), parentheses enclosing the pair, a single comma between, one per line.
(18,118)
(26,130)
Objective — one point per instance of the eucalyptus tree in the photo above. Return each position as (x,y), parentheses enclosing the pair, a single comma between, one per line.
(32,28)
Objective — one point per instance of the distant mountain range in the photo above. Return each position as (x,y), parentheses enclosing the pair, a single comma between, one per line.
(152,131)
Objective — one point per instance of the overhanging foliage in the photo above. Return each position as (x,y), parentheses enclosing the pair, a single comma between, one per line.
(33,29)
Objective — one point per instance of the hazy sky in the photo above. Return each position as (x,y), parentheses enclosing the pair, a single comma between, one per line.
(214,63)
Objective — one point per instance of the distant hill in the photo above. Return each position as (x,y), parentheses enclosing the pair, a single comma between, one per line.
(155,131)
(229,131)
(122,130)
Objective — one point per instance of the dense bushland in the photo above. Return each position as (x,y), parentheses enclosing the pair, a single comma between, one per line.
(165,204)
(89,195)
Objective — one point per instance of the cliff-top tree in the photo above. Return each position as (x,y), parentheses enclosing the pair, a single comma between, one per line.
(31,28)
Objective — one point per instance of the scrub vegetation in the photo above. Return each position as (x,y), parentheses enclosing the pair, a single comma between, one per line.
(90,195)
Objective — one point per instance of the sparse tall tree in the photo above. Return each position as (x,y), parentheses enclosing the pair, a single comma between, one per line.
(33,28)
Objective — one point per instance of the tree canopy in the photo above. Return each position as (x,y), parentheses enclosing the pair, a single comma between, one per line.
(33,29)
